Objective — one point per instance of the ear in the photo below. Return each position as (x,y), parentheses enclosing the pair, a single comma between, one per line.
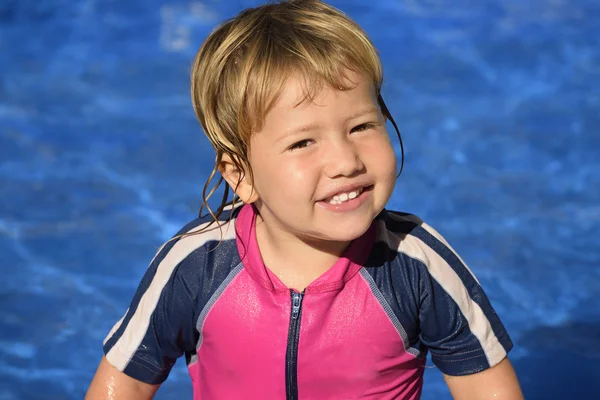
(237,179)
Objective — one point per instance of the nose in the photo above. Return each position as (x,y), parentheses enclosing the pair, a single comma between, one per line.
(342,158)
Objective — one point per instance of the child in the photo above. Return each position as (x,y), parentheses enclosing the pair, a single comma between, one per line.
(304,285)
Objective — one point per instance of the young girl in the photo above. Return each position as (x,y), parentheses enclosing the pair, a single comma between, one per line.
(304,285)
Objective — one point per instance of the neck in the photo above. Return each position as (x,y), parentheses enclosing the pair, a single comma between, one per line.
(295,260)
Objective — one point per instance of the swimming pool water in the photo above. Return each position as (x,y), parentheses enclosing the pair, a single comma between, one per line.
(101,160)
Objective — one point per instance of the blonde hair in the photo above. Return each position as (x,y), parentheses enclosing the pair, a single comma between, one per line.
(240,70)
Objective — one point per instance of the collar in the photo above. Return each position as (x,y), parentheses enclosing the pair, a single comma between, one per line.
(349,263)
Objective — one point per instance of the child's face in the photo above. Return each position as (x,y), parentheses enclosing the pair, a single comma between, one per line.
(305,154)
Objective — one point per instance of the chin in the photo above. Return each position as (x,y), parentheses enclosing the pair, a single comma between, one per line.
(346,232)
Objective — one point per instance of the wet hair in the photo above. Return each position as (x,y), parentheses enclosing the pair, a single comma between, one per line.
(242,67)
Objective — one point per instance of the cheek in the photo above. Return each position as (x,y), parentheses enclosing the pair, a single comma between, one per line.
(287,176)
(298,177)
(381,157)
(293,171)
(392,161)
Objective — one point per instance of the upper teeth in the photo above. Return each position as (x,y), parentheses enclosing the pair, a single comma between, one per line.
(342,197)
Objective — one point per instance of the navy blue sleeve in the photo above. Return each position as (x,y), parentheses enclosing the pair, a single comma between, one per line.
(457,322)
(158,327)
(160,324)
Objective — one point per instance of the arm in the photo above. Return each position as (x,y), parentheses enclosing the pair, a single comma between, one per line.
(497,383)
(111,384)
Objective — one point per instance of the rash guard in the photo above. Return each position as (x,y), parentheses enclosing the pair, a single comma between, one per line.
(361,330)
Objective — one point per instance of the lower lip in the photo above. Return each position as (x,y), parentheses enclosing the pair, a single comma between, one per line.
(349,205)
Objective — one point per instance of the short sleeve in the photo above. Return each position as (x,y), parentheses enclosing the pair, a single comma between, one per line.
(457,322)
(158,327)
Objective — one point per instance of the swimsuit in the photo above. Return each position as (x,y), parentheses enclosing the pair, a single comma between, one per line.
(361,330)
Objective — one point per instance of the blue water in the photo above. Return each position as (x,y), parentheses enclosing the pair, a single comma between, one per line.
(101,160)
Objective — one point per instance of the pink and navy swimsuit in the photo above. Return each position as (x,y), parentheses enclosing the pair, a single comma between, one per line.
(361,330)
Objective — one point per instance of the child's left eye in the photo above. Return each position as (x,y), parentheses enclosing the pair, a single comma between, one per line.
(363,127)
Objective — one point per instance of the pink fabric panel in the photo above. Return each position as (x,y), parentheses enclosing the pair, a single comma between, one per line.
(349,348)
(250,253)
(245,339)
(347,266)
(194,370)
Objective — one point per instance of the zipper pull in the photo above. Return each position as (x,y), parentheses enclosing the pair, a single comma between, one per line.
(296,301)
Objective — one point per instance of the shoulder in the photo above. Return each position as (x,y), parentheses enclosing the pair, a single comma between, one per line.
(204,243)
(159,324)
(399,235)
(398,260)
(456,320)
(206,229)
(407,240)
(421,257)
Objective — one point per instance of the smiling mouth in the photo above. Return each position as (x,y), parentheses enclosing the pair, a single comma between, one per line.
(343,197)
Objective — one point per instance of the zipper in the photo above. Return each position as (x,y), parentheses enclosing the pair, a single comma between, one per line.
(291,356)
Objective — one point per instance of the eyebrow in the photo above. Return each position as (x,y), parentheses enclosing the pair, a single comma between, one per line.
(311,127)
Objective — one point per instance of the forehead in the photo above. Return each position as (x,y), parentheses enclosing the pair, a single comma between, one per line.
(297,103)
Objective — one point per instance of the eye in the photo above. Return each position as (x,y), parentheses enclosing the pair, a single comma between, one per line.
(363,127)
(300,145)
